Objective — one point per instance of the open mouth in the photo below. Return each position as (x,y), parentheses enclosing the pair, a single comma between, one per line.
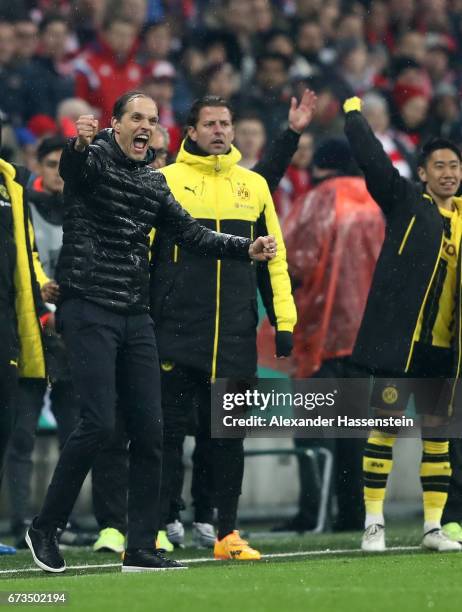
(218,141)
(140,143)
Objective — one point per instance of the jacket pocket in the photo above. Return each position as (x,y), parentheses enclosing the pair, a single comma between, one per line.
(406,235)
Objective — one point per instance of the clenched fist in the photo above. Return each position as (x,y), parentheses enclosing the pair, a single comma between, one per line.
(263,248)
(87,128)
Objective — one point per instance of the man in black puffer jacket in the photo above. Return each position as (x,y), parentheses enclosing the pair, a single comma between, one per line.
(113,199)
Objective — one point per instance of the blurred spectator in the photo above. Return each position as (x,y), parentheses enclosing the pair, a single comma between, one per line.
(354,67)
(160,143)
(109,68)
(310,43)
(411,44)
(296,182)
(326,121)
(375,109)
(377,20)
(48,76)
(221,80)
(68,112)
(27,40)
(350,25)
(445,113)
(412,103)
(271,92)
(42,126)
(159,84)
(87,18)
(249,138)
(438,64)
(191,64)
(157,42)
(134,11)
(12,84)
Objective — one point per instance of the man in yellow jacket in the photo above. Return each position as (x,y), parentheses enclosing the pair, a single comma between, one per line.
(207,330)
(21,352)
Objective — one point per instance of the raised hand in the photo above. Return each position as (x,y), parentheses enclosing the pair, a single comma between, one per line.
(301,115)
(87,128)
(263,248)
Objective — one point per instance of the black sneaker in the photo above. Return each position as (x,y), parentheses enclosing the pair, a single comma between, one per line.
(148,560)
(45,549)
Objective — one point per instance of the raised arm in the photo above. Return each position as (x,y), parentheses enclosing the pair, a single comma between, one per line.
(384,183)
(189,233)
(79,163)
(276,160)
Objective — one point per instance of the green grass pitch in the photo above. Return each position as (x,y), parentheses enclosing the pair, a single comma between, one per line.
(324,573)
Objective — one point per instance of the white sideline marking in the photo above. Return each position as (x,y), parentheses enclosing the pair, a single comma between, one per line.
(306,553)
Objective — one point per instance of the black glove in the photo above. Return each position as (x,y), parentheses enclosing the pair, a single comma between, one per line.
(284,343)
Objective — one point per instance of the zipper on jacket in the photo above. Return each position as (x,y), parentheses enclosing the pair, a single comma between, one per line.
(408,363)
(217,296)
(406,235)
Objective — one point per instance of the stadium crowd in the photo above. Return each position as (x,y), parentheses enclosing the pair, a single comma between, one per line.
(63,59)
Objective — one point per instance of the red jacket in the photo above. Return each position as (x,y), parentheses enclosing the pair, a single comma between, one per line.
(101,79)
(333,241)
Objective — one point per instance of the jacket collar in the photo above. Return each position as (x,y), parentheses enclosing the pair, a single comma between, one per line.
(7,169)
(456,199)
(208,164)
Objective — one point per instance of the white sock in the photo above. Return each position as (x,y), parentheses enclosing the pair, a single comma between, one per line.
(430,525)
(374,519)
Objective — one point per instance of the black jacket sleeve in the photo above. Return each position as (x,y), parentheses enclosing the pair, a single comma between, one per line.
(277,158)
(384,183)
(189,233)
(79,168)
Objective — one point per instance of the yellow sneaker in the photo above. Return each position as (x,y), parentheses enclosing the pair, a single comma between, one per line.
(234,547)
(163,542)
(110,540)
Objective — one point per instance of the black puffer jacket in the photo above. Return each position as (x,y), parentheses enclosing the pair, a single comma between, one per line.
(111,205)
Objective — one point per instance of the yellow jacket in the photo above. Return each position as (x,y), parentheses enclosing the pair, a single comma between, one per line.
(31,362)
(205,310)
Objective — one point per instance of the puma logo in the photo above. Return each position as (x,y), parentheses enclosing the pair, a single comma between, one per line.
(193,189)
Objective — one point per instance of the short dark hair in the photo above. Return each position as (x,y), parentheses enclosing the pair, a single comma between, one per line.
(436,144)
(52,18)
(273,57)
(48,145)
(120,105)
(201,103)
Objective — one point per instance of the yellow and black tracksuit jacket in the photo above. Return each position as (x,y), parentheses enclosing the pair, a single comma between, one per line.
(27,274)
(205,311)
(409,278)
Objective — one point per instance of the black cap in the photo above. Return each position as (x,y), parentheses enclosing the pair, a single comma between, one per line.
(333,154)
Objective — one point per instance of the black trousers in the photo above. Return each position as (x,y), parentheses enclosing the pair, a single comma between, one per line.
(8,386)
(111,356)
(183,389)
(347,473)
(108,501)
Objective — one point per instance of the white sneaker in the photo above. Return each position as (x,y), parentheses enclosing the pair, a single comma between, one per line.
(204,535)
(437,540)
(175,533)
(374,539)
